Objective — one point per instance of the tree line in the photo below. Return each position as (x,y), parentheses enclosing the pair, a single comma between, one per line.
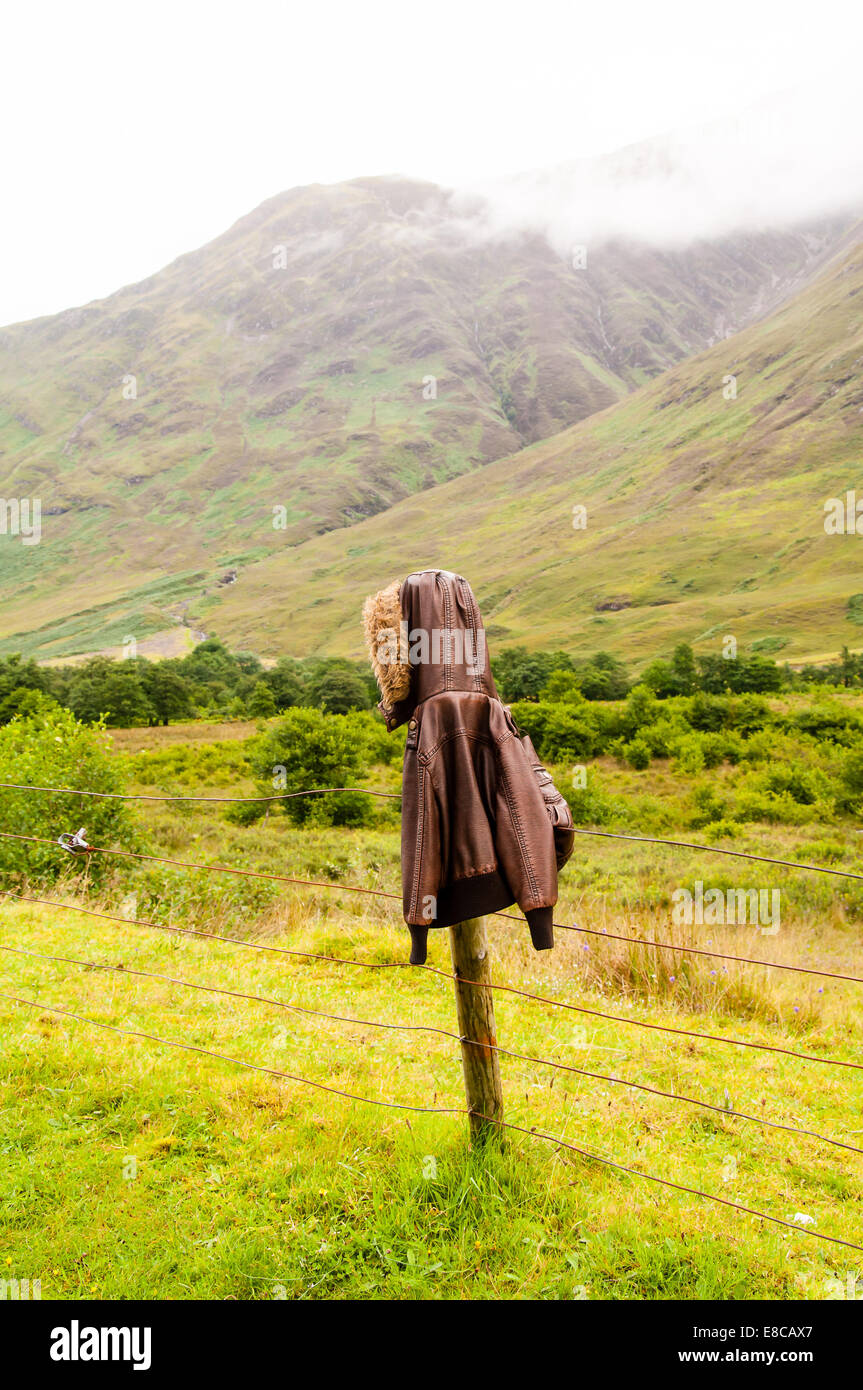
(212,682)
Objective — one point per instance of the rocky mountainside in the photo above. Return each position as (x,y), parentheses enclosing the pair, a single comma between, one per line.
(337,351)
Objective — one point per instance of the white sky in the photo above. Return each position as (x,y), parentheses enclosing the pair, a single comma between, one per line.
(135,132)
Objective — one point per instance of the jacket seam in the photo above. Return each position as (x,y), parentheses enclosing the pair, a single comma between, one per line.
(428,753)
(475,873)
(477,675)
(519,835)
(417,874)
(447,601)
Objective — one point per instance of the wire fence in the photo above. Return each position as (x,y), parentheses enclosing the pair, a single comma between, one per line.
(78,845)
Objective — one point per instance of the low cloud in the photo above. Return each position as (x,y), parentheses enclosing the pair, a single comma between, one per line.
(795,158)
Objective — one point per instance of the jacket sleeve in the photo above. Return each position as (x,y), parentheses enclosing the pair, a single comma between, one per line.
(422,853)
(525,839)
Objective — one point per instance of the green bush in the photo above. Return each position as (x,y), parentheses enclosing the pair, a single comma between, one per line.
(559,732)
(591,804)
(663,736)
(696,751)
(53,749)
(852,779)
(708,713)
(192,764)
(690,754)
(308,749)
(707,806)
(641,709)
(262,701)
(637,753)
(829,721)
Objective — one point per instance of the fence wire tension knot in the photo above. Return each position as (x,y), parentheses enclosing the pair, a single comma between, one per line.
(75,843)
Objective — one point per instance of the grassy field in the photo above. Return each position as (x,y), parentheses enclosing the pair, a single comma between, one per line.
(135,1169)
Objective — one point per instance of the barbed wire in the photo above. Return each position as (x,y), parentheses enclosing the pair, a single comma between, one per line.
(123,969)
(532,1132)
(145,796)
(321,791)
(210,868)
(479,984)
(716,849)
(684,948)
(678,1186)
(384,893)
(212,936)
(440,1110)
(234,1061)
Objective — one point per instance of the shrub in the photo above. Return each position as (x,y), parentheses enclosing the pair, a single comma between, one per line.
(708,713)
(53,748)
(637,753)
(192,764)
(707,806)
(690,754)
(829,721)
(749,714)
(641,709)
(563,688)
(308,748)
(717,747)
(663,737)
(590,804)
(852,779)
(559,732)
(803,785)
(262,701)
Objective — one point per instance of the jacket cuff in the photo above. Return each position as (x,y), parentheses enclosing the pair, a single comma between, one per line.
(541,923)
(419,943)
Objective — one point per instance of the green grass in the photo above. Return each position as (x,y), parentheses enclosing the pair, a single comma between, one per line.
(251,1186)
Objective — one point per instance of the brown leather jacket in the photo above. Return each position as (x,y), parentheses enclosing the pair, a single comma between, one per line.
(482,823)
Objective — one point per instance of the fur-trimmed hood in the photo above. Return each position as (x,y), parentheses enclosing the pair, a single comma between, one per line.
(425,636)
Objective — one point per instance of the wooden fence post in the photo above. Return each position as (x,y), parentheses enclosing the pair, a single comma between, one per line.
(475,1006)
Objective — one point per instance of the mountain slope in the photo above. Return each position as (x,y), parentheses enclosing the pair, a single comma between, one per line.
(282,374)
(705,515)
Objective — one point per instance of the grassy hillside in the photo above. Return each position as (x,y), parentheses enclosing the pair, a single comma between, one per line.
(705,515)
(286,366)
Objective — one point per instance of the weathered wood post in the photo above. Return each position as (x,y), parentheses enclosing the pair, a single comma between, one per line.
(475,1006)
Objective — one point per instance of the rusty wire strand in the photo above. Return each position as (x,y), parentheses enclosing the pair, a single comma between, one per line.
(509,916)
(440,1110)
(320,791)
(144,796)
(480,984)
(123,969)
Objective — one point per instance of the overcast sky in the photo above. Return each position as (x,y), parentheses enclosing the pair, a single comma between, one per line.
(133,133)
